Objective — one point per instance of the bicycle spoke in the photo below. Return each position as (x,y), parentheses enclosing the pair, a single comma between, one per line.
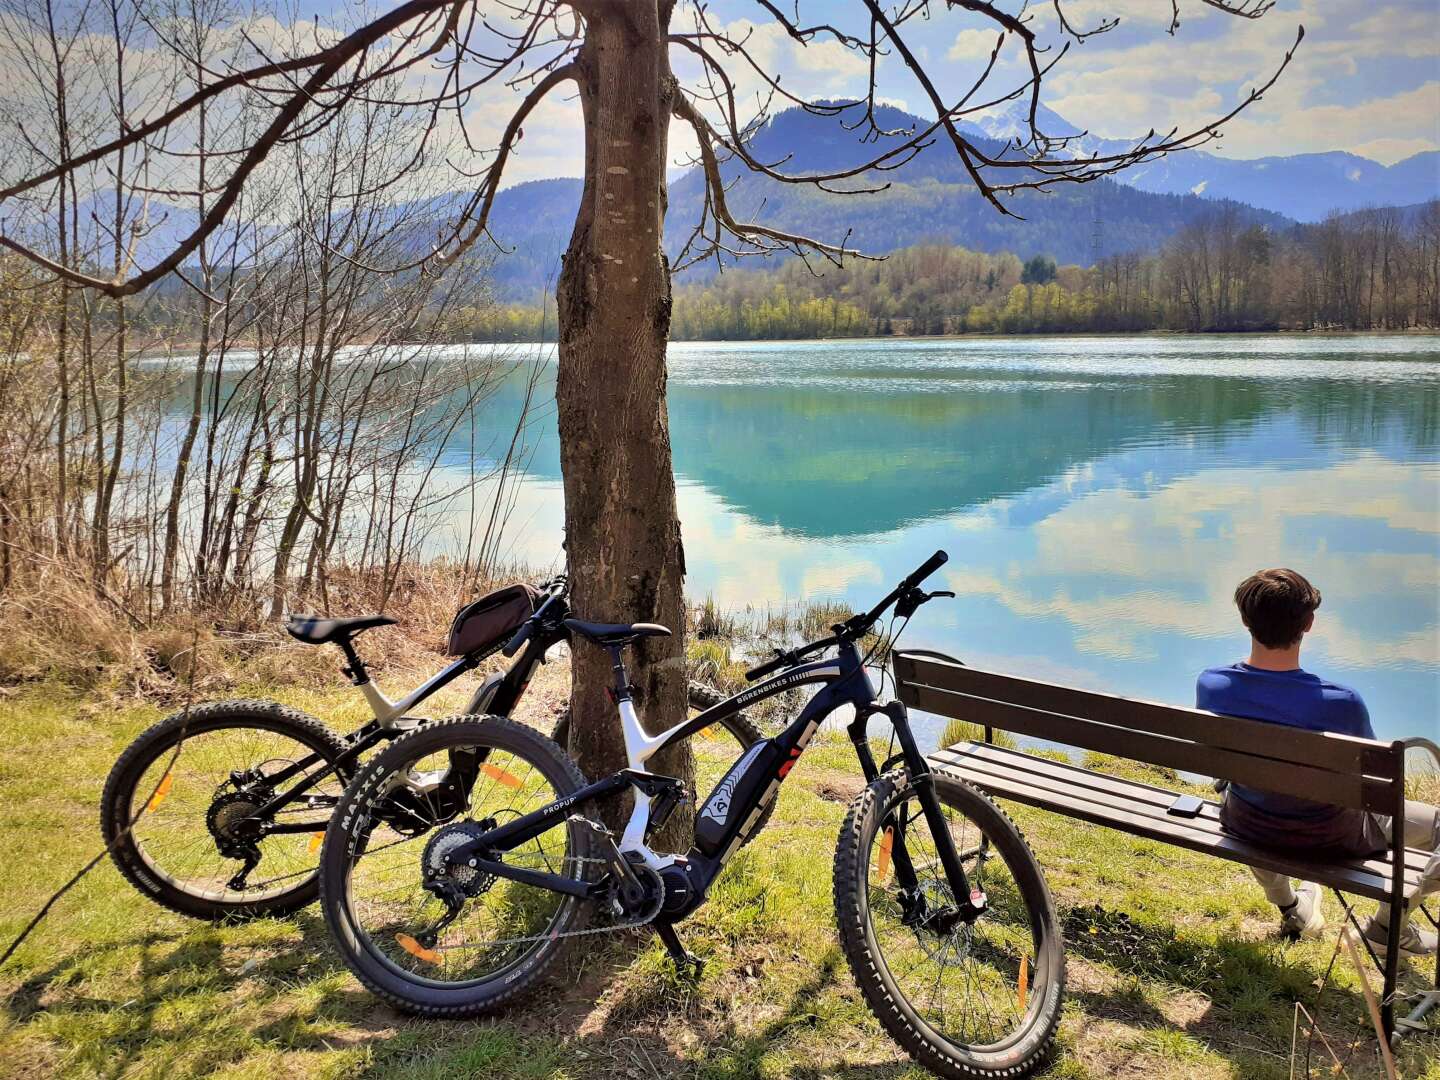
(961,981)
(180,838)
(391,905)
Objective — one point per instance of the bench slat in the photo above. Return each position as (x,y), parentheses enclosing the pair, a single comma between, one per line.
(1291,778)
(1017,767)
(1001,773)
(1337,753)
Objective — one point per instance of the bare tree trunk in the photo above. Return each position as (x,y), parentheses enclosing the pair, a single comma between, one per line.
(197,398)
(622,530)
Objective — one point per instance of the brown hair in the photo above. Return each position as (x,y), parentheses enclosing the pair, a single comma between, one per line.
(1275,605)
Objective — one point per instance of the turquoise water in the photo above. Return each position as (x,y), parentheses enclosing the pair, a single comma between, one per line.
(1099,497)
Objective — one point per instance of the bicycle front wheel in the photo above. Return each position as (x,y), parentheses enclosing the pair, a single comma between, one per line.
(977,999)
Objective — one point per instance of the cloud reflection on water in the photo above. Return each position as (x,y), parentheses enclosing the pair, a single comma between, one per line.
(1096,534)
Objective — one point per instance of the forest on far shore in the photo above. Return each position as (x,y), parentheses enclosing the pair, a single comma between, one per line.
(1375,269)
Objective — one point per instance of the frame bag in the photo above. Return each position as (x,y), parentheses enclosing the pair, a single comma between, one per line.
(486,623)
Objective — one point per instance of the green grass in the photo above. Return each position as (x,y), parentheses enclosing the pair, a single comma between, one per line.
(1175,969)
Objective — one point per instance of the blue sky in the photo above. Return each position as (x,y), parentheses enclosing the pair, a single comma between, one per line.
(1366,79)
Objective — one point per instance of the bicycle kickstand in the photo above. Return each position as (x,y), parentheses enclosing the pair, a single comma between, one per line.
(687,964)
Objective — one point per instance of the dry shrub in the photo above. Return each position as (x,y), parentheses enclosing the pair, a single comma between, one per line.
(56,627)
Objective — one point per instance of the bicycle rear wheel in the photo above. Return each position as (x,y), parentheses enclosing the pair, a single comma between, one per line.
(979,999)
(184,829)
(386,872)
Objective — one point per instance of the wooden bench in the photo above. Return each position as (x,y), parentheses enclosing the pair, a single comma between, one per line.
(1356,773)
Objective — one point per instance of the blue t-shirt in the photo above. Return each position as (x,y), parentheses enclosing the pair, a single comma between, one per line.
(1292,698)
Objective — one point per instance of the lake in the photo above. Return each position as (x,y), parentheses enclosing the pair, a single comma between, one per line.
(1100,498)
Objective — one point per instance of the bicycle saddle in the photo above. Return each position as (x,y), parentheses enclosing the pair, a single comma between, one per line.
(615,633)
(313,630)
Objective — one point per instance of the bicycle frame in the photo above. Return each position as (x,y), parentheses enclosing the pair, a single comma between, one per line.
(845,683)
(498,694)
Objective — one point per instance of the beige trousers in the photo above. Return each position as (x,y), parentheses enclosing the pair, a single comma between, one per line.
(1422,830)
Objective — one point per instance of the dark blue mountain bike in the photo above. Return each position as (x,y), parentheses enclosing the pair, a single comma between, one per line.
(459,904)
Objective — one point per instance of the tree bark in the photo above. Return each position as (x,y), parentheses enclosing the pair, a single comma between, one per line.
(613,297)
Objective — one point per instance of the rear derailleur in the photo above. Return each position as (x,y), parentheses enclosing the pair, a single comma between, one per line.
(449,880)
(236,830)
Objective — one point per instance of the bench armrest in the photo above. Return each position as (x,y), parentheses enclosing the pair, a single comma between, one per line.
(1417,743)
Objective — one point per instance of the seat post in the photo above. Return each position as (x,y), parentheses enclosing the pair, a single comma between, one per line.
(621,690)
(354,666)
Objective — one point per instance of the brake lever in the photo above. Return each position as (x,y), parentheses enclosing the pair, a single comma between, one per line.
(911,600)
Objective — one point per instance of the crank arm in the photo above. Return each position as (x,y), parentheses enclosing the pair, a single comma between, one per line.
(273,829)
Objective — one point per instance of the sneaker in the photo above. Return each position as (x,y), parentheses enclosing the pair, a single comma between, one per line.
(1415,944)
(1302,917)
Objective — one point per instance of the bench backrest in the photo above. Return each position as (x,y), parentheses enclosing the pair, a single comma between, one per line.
(1337,769)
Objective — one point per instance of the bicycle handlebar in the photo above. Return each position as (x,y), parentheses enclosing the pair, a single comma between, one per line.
(854,627)
(555,588)
(919,574)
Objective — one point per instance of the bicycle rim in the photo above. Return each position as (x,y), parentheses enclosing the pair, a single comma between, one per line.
(190,816)
(982,988)
(502,922)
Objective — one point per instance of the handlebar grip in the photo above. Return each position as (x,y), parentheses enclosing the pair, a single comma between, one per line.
(930,565)
(521,636)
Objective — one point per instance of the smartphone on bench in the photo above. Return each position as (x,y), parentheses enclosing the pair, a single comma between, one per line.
(1186,806)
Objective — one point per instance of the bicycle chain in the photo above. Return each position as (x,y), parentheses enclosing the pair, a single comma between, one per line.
(648,918)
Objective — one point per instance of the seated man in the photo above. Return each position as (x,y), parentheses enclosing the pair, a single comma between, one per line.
(1278,608)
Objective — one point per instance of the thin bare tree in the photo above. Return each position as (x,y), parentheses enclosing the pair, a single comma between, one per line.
(630,67)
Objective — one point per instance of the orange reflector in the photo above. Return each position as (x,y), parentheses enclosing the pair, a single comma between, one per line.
(1024,989)
(316,839)
(497,773)
(886,843)
(420,952)
(707,732)
(161,790)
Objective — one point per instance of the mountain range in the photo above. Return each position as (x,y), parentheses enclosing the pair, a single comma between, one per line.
(931,200)
(1305,187)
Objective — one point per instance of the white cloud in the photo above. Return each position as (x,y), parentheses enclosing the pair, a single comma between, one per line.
(973,45)
(1334,96)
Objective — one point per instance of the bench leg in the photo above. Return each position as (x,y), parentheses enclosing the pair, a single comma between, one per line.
(1436,924)
(1399,915)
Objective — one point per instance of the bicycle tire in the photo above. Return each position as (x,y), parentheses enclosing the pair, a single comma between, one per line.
(1030,1046)
(346,839)
(151,746)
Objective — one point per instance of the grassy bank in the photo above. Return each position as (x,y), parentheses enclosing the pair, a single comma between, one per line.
(1175,971)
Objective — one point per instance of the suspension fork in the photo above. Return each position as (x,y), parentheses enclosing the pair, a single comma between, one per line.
(970,903)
